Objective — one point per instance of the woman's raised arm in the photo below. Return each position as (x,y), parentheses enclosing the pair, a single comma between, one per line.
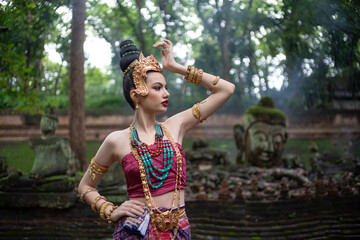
(221,91)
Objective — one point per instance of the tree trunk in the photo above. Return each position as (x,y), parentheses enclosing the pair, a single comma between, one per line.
(76,85)
(225,54)
(139,4)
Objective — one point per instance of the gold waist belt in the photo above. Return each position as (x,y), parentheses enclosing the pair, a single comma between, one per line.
(166,221)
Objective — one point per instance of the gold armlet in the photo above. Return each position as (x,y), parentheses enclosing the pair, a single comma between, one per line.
(196,111)
(102,209)
(93,204)
(216,80)
(82,197)
(111,211)
(96,169)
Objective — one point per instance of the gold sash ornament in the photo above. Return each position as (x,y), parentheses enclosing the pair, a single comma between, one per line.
(165,221)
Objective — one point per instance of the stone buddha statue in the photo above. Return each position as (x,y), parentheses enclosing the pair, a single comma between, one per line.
(262,135)
(51,180)
(52,153)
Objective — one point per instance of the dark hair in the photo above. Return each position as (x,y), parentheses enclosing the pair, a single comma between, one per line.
(128,53)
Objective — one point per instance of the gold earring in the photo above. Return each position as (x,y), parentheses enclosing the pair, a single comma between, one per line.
(136,107)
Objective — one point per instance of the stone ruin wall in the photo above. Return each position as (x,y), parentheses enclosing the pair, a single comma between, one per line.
(319,218)
(327,124)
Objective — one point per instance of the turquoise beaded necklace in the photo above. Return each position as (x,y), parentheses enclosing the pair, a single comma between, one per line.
(163,146)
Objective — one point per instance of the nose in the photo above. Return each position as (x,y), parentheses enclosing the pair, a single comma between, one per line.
(166,93)
(270,145)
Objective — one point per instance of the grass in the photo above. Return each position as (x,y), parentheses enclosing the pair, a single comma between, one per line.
(20,156)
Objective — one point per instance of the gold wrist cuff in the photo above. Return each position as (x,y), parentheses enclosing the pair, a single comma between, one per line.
(102,209)
(111,211)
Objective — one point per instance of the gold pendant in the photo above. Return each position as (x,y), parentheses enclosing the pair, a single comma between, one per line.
(165,221)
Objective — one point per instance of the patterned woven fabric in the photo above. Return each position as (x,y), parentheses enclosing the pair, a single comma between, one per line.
(184,232)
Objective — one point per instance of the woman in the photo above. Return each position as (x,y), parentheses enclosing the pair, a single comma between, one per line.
(150,152)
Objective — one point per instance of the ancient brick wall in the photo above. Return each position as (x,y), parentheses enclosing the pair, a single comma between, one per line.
(303,125)
(334,218)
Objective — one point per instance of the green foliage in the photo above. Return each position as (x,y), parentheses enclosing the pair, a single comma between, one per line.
(312,45)
(22,51)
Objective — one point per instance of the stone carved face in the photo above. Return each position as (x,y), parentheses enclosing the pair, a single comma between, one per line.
(264,144)
(48,125)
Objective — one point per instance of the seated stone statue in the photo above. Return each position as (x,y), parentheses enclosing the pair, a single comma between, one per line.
(263,134)
(52,153)
(50,182)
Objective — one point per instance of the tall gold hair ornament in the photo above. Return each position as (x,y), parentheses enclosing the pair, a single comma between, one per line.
(141,67)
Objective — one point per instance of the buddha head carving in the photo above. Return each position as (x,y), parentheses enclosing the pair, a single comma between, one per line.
(263,134)
(48,124)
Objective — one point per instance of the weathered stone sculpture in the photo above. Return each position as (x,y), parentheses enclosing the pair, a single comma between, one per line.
(254,188)
(320,190)
(239,192)
(52,153)
(224,192)
(201,194)
(262,135)
(331,187)
(47,184)
(314,157)
(284,189)
(203,158)
(345,185)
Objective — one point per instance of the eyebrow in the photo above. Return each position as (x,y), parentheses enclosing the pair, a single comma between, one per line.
(155,83)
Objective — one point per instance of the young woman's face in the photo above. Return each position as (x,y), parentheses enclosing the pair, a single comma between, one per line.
(157,99)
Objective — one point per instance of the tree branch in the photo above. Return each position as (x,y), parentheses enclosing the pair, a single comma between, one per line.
(333,23)
(201,15)
(129,20)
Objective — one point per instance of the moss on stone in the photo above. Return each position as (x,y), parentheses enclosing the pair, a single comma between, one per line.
(264,111)
(266,101)
(259,110)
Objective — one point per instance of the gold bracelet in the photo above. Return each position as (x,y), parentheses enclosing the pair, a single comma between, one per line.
(187,73)
(192,74)
(93,204)
(111,211)
(102,209)
(216,80)
(86,192)
(96,169)
(196,111)
(199,76)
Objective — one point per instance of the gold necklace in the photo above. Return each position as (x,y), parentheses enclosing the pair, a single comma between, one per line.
(164,221)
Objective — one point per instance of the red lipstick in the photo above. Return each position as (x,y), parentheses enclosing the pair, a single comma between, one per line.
(165,103)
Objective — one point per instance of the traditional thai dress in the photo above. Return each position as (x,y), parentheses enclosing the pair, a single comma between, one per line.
(123,228)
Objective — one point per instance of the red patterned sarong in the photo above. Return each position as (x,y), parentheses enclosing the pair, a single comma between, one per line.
(183,233)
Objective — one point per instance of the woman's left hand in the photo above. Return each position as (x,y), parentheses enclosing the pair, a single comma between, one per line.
(167,54)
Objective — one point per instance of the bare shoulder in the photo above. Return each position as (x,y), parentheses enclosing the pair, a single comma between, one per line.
(115,136)
(117,143)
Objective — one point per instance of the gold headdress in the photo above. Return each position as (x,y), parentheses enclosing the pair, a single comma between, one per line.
(141,67)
